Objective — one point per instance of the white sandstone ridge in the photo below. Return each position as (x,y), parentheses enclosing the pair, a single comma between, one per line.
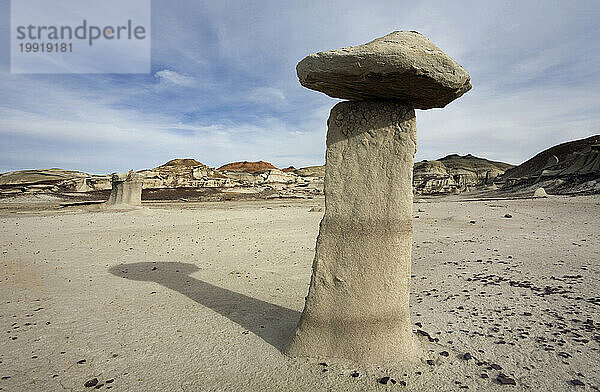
(237,177)
(455,174)
(254,176)
(451,174)
(568,168)
(184,173)
(576,171)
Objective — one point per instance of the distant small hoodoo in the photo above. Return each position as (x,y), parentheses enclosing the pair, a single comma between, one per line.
(126,189)
(540,192)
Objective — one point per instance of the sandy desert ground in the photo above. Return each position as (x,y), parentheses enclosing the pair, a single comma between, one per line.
(203,296)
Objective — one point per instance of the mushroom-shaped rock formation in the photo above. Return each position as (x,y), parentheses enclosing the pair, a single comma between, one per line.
(403,65)
(357,306)
(126,189)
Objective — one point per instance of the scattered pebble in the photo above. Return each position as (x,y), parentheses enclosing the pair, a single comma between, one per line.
(505,380)
(91,383)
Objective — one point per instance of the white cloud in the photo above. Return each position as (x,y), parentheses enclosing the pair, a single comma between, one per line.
(268,95)
(171,77)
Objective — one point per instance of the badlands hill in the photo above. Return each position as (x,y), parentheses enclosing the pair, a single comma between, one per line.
(182,162)
(568,168)
(248,167)
(571,167)
(575,157)
(455,173)
(311,171)
(42,176)
(178,173)
(42,180)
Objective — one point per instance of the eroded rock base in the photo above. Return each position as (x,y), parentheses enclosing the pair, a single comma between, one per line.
(357,307)
(126,190)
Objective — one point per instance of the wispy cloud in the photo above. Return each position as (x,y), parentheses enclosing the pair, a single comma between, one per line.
(269,96)
(169,77)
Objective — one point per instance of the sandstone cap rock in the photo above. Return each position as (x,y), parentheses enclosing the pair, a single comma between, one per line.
(402,65)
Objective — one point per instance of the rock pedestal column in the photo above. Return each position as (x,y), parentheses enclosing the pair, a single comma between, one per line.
(357,306)
(126,189)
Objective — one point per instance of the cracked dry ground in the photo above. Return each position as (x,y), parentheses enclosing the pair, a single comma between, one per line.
(202,296)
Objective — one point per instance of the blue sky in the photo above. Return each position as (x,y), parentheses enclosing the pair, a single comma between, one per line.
(223,85)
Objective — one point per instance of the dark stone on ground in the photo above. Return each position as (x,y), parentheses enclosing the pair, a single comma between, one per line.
(505,380)
(91,383)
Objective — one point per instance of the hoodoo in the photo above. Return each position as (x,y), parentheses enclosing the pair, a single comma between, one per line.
(126,189)
(358,302)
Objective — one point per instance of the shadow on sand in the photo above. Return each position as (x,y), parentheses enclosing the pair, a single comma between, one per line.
(274,324)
